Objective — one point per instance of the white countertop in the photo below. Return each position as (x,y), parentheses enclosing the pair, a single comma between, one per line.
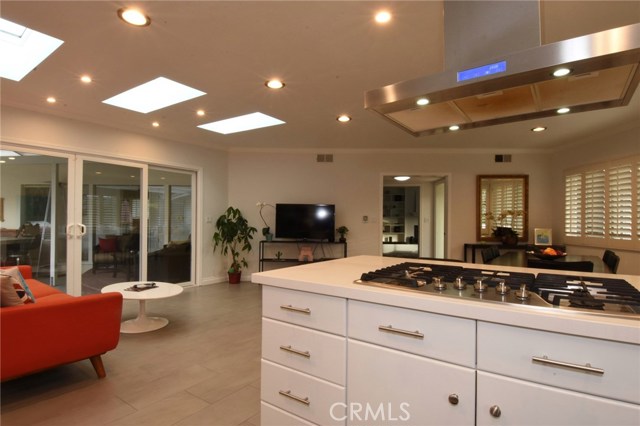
(336,278)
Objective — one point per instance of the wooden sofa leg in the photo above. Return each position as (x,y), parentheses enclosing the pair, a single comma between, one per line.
(96,361)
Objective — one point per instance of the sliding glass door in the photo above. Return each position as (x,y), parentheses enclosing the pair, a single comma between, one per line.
(170,226)
(111,209)
(83,223)
(33,213)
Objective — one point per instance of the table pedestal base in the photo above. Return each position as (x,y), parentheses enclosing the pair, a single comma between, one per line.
(142,323)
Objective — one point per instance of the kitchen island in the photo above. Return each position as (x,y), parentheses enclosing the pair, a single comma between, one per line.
(336,352)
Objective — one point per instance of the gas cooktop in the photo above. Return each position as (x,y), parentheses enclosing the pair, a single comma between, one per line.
(602,296)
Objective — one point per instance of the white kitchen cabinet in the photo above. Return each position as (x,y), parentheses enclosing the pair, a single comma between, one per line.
(593,366)
(436,336)
(505,401)
(303,358)
(387,386)
(273,416)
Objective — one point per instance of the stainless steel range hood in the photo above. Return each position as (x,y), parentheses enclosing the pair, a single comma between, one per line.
(604,68)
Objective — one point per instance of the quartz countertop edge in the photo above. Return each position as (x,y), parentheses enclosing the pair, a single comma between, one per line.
(336,278)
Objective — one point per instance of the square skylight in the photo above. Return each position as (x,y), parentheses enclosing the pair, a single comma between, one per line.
(23,49)
(153,95)
(242,123)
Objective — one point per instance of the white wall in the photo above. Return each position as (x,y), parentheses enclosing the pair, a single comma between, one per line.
(353,182)
(46,131)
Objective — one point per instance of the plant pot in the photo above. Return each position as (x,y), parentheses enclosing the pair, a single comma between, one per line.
(234,277)
(342,239)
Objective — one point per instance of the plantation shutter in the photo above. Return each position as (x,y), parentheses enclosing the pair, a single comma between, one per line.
(573,205)
(594,204)
(620,202)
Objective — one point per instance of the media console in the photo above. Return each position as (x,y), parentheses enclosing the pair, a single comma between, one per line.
(297,252)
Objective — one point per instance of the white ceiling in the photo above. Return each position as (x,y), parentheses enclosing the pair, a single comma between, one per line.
(328,53)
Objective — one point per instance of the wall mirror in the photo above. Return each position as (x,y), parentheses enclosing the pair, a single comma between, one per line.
(502,207)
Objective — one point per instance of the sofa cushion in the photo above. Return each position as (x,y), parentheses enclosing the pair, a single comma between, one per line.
(41,290)
(108,245)
(12,293)
(19,285)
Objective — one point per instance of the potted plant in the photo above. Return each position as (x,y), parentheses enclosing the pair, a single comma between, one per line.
(233,236)
(343,230)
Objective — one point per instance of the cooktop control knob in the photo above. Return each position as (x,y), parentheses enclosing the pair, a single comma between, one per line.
(479,286)
(502,288)
(459,284)
(522,293)
(438,284)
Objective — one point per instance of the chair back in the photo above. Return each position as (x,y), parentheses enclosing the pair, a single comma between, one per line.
(612,261)
(489,253)
(582,266)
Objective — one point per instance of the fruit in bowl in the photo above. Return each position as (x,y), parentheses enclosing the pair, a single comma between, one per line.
(549,253)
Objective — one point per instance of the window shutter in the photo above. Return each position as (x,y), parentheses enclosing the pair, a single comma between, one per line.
(573,205)
(594,204)
(620,202)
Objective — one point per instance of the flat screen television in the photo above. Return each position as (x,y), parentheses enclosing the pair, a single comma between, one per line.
(306,221)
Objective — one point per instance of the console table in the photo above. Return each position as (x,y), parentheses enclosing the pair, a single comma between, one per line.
(290,249)
(484,244)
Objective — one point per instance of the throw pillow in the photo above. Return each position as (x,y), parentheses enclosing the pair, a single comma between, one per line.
(14,272)
(8,294)
(107,245)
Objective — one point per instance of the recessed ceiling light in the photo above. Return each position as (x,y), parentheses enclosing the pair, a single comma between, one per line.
(454,127)
(86,79)
(561,72)
(274,84)
(51,100)
(241,123)
(402,178)
(539,129)
(23,49)
(383,17)
(134,17)
(563,110)
(155,124)
(154,95)
(200,112)
(422,101)
(343,118)
(6,153)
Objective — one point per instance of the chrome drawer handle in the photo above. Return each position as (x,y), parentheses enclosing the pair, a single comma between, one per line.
(305,354)
(294,309)
(583,368)
(390,329)
(300,399)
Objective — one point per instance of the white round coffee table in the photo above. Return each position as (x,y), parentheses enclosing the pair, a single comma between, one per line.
(143,323)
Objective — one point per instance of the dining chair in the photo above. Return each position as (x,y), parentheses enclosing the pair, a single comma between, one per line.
(612,260)
(489,253)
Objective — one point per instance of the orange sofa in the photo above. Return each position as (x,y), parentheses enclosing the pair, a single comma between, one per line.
(57,329)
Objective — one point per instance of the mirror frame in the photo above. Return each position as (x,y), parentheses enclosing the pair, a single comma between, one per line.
(525,205)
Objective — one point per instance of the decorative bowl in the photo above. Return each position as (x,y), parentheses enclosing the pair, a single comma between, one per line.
(543,256)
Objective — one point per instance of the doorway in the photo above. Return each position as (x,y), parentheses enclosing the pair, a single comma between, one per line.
(414,216)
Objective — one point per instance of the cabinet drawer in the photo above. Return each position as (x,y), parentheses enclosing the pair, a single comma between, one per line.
(313,352)
(525,403)
(561,360)
(308,397)
(273,416)
(326,313)
(436,336)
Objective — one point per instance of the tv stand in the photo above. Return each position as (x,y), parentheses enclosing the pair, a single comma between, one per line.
(290,250)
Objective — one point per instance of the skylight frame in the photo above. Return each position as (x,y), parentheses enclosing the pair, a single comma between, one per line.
(23,49)
(242,123)
(153,95)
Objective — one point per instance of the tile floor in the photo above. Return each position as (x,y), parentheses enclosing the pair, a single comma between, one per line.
(202,369)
